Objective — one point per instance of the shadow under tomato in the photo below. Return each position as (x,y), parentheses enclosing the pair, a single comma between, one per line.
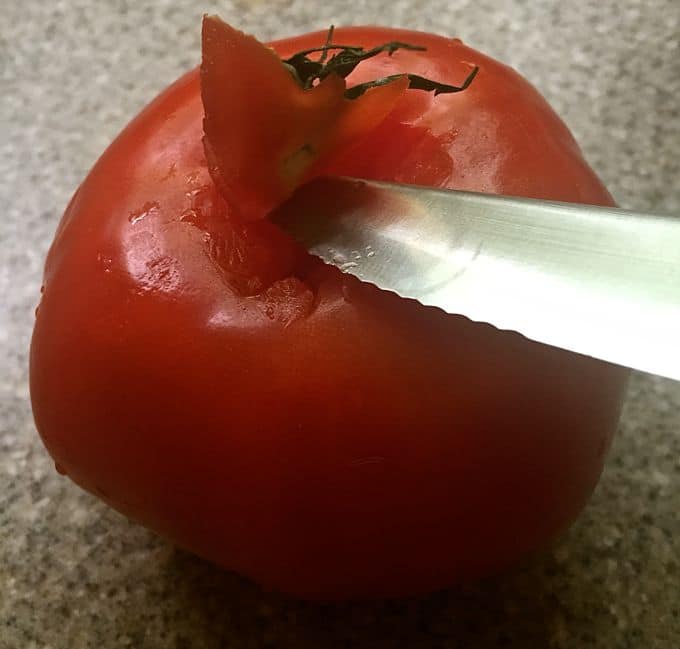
(518,609)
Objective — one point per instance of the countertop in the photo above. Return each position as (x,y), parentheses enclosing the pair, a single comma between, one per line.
(74,574)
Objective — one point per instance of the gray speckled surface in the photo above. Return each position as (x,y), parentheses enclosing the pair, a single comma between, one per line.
(74,574)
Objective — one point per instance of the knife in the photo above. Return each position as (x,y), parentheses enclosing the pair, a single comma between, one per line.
(599,281)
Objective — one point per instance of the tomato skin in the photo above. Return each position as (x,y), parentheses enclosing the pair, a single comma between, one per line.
(328,439)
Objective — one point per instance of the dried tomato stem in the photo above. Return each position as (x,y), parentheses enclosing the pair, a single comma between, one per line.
(307,71)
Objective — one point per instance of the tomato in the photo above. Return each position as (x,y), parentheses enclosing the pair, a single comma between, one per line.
(198,371)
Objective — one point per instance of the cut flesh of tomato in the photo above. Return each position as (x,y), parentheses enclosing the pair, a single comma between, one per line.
(264,133)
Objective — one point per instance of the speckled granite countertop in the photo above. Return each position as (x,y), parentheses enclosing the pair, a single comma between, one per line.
(74,574)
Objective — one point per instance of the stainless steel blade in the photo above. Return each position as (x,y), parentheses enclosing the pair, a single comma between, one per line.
(598,281)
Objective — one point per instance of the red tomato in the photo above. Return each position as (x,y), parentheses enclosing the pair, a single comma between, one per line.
(206,377)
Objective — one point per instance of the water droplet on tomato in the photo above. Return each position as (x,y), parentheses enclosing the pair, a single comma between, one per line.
(105,262)
(147,209)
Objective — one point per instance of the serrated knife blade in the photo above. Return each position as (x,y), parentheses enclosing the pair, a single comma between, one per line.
(599,281)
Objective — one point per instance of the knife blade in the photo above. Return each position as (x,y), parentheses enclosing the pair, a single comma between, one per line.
(599,281)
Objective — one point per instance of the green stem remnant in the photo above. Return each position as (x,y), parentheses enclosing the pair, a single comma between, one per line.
(308,71)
